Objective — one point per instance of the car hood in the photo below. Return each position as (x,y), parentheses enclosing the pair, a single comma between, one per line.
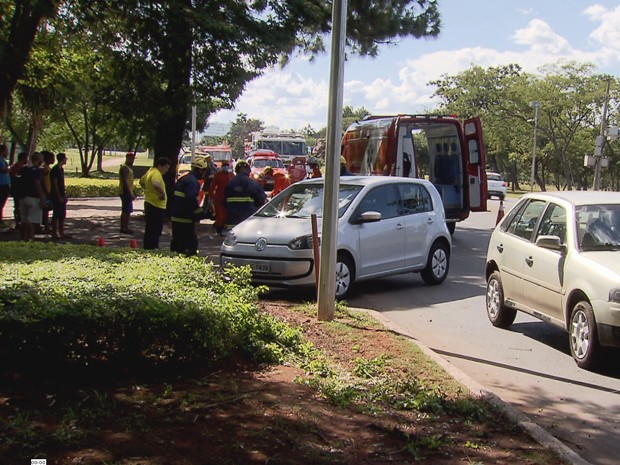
(277,231)
(606,261)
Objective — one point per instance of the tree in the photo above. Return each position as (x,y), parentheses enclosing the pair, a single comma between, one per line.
(240,131)
(198,50)
(19,21)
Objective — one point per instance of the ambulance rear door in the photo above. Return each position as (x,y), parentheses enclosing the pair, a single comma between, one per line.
(475,165)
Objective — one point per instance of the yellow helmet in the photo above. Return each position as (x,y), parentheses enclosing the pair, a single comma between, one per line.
(199,162)
(268,171)
(343,160)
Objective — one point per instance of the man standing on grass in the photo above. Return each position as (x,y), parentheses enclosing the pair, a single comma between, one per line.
(33,202)
(154,202)
(58,197)
(5,182)
(125,190)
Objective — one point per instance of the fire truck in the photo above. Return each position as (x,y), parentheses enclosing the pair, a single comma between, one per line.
(287,146)
(443,149)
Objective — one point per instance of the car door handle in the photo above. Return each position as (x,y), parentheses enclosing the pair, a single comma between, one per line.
(429,221)
(500,248)
(529,261)
(399,226)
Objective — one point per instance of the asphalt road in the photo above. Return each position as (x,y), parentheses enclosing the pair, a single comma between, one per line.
(529,366)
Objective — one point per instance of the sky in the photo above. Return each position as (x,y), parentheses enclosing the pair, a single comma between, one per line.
(474,32)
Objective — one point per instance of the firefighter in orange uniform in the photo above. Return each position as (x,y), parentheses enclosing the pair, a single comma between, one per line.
(216,194)
(280,180)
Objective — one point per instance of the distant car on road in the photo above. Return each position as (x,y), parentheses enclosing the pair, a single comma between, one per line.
(386,226)
(261,159)
(496,186)
(556,256)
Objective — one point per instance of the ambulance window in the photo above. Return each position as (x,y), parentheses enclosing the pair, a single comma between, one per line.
(474,152)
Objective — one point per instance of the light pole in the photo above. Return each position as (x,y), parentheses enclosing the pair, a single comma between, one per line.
(535,104)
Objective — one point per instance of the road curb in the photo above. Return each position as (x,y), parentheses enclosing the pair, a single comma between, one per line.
(539,434)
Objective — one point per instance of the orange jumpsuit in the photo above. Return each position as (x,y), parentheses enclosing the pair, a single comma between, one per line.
(216,193)
(280,182)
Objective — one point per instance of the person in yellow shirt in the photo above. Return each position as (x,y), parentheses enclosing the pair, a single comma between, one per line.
(154,202)
(125,190)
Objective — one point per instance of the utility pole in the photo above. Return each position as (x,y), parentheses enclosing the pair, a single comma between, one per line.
(327,272)
(536,105)
(600,142)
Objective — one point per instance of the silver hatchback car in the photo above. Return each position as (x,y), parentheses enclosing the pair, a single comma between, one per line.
(386,226)
(556,256)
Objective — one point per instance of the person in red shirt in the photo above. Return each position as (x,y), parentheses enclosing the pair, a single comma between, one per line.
(216,194)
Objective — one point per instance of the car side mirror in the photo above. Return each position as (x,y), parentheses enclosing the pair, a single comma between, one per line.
(369,217)
(550,242)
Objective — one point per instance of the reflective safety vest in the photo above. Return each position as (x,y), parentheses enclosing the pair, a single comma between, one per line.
(185,208)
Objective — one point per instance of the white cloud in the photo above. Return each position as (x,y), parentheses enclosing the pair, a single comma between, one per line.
(541,38)
(606,37)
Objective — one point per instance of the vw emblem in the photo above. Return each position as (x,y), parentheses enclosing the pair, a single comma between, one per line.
(261,244)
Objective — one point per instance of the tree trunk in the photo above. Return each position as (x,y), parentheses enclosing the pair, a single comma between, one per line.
(14,52)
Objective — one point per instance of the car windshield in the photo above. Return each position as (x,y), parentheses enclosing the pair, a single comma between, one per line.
(303,200)
(273,162)
(185,159)
(598,226)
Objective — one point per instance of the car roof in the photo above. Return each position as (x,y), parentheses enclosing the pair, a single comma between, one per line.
(580,197)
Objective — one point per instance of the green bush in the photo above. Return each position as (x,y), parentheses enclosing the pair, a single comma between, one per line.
(94,187)
(79,306)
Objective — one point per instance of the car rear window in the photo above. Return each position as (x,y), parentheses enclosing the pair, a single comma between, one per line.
(494,177)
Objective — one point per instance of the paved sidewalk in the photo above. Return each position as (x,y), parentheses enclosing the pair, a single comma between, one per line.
(94,219)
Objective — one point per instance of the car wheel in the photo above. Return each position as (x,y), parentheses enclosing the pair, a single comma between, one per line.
(451,227)
(345,275)
(499,315)
(583,336)
(437,265)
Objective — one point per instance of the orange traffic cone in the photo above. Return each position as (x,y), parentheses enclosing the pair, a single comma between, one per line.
(500,212)
(101,242)
(133,244)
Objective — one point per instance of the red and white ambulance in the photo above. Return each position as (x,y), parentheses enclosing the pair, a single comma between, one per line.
(443,149)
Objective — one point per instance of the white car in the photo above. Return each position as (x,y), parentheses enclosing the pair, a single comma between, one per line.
(556,256)
(386,226)
(496,186)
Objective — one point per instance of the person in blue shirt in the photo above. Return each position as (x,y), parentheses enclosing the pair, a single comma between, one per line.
(185,210)
(242,196)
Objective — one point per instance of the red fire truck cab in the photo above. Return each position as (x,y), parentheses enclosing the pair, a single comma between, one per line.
(442,149)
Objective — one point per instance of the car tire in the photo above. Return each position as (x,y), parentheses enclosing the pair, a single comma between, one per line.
(583,336)
(437,264)
(345,276)
(499,315)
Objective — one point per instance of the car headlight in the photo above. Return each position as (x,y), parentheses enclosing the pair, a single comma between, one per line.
(614,295)
(302,243)
(231,239)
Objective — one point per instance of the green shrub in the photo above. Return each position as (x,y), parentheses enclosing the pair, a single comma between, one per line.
(68,305)
(95,187)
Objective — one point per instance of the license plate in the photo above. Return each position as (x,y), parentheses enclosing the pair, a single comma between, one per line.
(260,267)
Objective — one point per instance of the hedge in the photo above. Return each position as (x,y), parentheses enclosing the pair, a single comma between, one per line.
(78,305)
(93,187)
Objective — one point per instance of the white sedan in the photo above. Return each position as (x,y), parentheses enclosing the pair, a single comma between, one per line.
(386,226)
(556,256)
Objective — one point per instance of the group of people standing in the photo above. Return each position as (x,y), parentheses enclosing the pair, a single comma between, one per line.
(229,198)
(37,186)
